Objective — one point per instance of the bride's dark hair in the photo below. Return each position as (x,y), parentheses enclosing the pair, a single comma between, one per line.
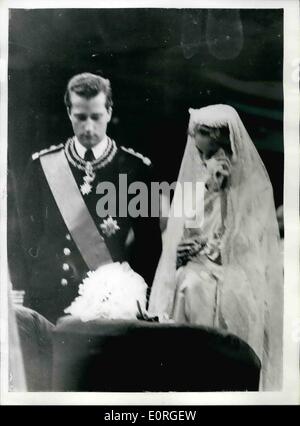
(219,134)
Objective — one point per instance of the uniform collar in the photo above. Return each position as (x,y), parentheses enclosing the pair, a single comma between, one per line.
(98,150)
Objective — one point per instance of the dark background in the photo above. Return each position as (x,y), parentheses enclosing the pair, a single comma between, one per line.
(160,63)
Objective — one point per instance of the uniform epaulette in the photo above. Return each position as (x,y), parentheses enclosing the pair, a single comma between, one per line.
(52,148)
(145,160)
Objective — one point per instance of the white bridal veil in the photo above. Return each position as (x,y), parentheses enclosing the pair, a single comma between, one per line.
(251,294)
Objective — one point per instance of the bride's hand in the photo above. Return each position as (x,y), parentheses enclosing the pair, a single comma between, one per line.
(220,169)
(187,249)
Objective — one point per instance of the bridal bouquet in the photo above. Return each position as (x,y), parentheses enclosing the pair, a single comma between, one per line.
(110,292)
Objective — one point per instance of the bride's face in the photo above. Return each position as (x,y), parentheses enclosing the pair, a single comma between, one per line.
(205,144)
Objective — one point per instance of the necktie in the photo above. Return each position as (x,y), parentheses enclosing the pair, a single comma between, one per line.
(89,155)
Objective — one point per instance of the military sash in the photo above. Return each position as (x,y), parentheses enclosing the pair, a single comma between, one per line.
(74,210)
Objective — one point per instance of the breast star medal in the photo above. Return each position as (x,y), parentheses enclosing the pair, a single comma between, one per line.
(109,226)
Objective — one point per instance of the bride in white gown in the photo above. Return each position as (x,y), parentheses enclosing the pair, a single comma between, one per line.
(226,273)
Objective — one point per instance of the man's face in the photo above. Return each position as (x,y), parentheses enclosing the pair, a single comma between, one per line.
(89,118)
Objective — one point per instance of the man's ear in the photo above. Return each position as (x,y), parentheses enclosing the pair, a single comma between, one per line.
(69,112)
(110,112)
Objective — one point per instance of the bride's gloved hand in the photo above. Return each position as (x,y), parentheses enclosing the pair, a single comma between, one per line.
(187,249)
(219,169)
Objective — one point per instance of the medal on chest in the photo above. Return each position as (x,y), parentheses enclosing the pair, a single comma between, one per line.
(86,187)
(89,167)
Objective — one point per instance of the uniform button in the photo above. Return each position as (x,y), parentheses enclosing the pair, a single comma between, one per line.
(68,237)
(64,282)
(65,267)
(67,251)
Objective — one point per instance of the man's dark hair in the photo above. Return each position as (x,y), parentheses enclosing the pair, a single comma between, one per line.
(88,85)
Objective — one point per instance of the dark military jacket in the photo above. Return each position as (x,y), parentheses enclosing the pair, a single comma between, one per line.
(55,264)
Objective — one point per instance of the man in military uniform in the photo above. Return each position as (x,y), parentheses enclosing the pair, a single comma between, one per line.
(63,235)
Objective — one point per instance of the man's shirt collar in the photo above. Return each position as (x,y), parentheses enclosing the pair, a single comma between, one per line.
(98,150)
